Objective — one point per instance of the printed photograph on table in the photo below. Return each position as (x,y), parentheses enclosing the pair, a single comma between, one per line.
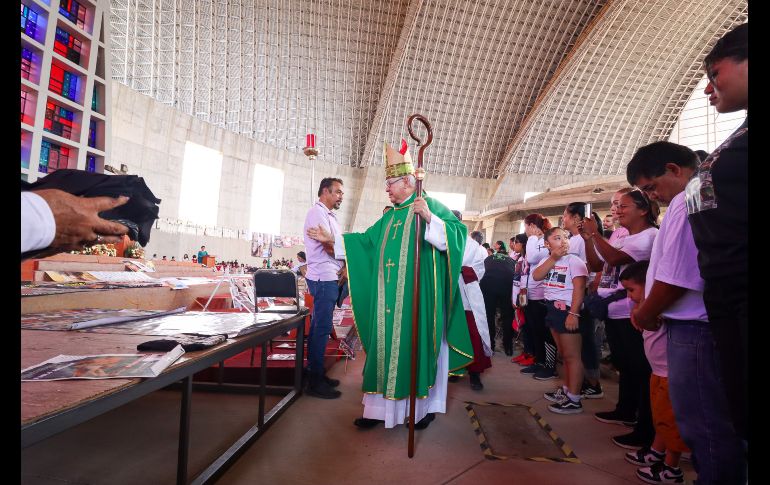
(87,317)
(203,323)
(107,366)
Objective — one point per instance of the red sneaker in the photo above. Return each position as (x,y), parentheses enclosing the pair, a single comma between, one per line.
(528,361)
(519,357)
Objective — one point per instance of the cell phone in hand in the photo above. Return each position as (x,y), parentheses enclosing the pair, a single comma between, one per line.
(587,211)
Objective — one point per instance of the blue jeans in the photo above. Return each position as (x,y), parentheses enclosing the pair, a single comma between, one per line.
(324,298)
(700,404)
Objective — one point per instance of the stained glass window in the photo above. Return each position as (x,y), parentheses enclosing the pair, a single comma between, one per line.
(63,82)
(74,12)
(53,157)
(67,45)
(26,63)
(95,101)
(90,163)
(58,120)
(29,21)
(24,100)
(92,133)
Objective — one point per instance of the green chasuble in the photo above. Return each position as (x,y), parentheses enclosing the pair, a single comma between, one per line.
(380,266)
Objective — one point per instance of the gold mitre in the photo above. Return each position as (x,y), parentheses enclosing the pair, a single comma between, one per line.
(398,163)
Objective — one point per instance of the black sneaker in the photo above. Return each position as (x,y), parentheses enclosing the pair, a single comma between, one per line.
(530,369)
(567,406)
(592,392)
(660,473)
(614,417)
(555,396)
(645,457)
(631,441)
(545,373)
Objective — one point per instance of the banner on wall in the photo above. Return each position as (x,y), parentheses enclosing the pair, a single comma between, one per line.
(261,245)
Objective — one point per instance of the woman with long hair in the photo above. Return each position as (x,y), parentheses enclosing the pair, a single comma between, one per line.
(519,247)
(638,215)
(544,367)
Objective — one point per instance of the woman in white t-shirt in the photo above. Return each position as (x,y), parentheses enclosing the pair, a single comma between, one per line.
(564,278)
(519,246)
(636,213)
(544,367)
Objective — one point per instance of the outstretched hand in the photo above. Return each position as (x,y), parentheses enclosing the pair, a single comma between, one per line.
(320,234)
(77,219)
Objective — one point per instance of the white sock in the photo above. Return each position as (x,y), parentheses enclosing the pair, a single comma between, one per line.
(573,397)
(565,389)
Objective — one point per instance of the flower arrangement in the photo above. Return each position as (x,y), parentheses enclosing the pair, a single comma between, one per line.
(134,250)
(99,250)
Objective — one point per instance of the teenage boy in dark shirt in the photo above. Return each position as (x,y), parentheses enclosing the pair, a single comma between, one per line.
(717,203)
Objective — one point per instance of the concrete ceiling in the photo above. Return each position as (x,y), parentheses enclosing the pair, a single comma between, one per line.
(549,87)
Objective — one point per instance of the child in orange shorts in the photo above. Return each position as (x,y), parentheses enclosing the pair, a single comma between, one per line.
(660,462)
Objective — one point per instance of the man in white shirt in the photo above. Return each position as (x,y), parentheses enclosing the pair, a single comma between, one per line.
(674,291)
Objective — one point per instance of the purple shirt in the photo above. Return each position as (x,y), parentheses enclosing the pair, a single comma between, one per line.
(674,260)
(321,266)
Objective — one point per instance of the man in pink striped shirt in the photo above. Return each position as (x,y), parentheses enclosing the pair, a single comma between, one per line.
(323,273)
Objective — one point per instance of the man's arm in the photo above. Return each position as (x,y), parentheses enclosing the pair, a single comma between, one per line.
(323,236)
(76,220)
(662,295)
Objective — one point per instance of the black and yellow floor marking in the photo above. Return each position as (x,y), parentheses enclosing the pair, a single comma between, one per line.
(569,455)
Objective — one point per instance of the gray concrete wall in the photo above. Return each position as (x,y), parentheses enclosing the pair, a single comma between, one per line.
(149,137)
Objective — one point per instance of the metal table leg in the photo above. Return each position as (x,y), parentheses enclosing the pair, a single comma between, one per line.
(184,432)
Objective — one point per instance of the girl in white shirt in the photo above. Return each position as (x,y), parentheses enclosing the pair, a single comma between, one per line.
(564,278)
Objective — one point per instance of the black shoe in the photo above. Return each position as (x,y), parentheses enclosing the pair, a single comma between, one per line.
(531,369)
(632,441)
(424,422)
(476,384)
(366,423)
(509,352)
(615,417)
(331,382)
(545,373)
(454,378)
(317,387)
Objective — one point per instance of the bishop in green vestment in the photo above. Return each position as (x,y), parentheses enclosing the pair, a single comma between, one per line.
(380,265)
